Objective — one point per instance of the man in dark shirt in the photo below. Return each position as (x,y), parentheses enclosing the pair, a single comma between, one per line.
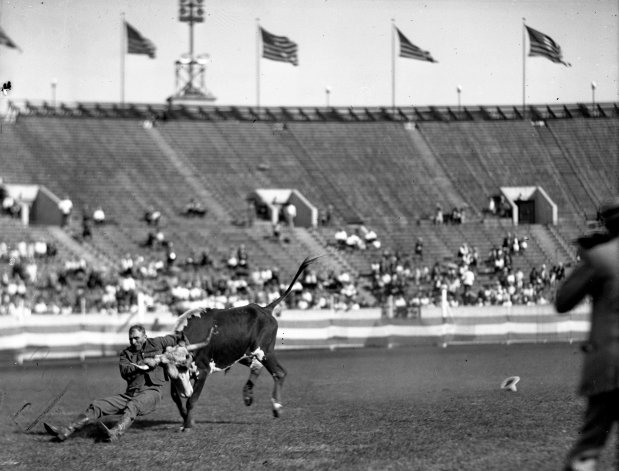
(597,276)
(145,379)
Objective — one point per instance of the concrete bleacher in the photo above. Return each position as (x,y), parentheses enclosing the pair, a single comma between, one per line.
(388,175)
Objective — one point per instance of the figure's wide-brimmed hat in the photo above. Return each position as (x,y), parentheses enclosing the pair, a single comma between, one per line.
(609,210)
(509,384)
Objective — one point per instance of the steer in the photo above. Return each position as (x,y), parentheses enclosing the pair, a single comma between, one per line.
(222,337)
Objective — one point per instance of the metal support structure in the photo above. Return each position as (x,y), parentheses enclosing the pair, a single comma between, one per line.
(190,70)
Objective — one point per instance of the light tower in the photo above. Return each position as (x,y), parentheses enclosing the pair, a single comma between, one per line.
(190,70)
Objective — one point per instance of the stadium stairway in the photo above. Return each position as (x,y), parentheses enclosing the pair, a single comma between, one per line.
(185,168)
(317,244)
(549,243)
(86,252)
(421,148)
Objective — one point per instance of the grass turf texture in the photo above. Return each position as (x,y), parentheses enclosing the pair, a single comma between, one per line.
(420,408)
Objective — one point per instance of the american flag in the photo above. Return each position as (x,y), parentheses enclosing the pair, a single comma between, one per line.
(279,48)
(137,44)
(6,41)
(543,45)
(410,51)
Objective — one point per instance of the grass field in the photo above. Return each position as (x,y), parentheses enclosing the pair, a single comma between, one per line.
(420,408)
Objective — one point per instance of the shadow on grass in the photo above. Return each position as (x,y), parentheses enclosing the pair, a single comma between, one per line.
(145,424)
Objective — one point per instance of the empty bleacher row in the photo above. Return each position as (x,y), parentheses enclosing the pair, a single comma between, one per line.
(385,174)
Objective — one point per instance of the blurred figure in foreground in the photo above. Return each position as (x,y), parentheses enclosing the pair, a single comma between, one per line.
(597,276)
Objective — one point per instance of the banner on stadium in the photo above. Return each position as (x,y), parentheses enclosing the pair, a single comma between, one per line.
(41,337)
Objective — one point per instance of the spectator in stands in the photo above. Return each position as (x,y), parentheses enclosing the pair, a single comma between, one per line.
(98,216)
(507,242)
(353,241)
(559,271)
(40,249)
(160,240)
(327,215)
(126,295)
(290,213)
(7,204)
(277,231)
(492,205)
(438,214)
(170,255)
(370,238)
(419,249)
(86,226)
(52,250)
(126,265)
(505,209)
(194,208)
(524,244)
(65,206)
(340,238)
(242,256)
(456,216)
(232,261)
(152,217)
(205,260)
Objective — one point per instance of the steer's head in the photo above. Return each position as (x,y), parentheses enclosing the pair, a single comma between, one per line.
(179,365)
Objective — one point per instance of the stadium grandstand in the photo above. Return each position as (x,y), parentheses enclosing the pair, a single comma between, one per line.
(476,177)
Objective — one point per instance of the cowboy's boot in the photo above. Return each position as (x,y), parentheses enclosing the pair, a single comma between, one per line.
(114,433)
(62,433)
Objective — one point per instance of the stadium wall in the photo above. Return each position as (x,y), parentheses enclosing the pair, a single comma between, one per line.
(42,337)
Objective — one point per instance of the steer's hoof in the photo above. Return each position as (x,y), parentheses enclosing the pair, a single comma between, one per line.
(187,426)
(277,408)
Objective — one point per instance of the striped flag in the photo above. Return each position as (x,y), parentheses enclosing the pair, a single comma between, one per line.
(543,45)
(279,48)
(410,51)
(6,41)
(137,44)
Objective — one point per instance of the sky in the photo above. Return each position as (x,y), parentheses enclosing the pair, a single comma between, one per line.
(344,45)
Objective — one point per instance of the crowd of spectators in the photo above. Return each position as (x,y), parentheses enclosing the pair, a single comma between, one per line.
(456,216)
(156,279)
(33,283)
(358,238)
(466,279)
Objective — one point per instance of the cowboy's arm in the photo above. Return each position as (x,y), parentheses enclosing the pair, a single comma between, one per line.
(574,289)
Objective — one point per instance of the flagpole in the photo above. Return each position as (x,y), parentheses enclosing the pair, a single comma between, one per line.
(123,33)
(258,65)
(524,76)
(393,65)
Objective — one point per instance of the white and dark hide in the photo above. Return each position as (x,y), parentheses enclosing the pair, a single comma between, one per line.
(219,338)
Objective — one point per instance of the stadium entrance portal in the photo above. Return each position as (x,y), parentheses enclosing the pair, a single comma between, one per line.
(526,212)
(530,205)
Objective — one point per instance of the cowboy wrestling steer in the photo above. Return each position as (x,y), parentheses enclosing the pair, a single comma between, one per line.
(222,337)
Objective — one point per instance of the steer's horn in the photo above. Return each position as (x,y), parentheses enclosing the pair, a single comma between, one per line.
(196,346)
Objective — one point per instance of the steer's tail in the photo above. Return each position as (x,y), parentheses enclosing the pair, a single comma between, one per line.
(307,262)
